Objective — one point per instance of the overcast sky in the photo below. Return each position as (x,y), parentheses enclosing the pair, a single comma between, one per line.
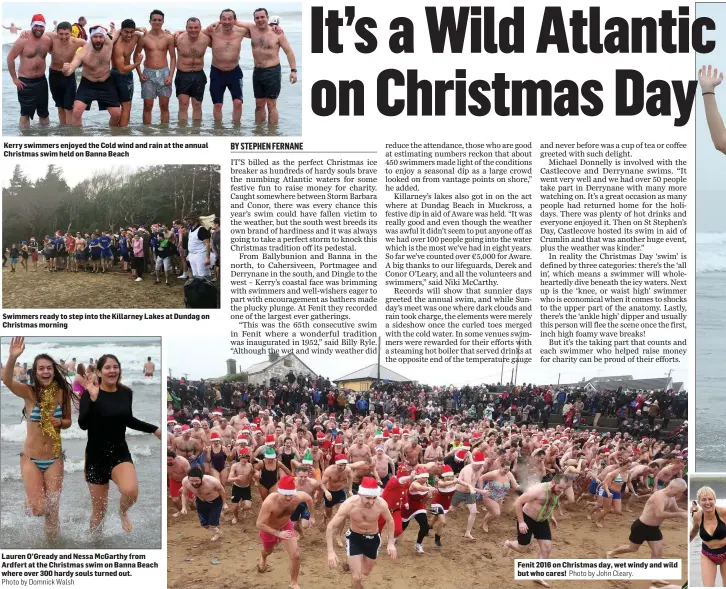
(711,164)
(74,171)
(208,361)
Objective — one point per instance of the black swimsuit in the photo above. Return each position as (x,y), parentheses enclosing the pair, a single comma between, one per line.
(268,478)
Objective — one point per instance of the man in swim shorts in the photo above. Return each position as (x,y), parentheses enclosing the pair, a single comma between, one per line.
(276,528)
(533,510)
(96,81)
(267,75)
(149,367)
(62,87)
(191,80)
(660,506)
(30,78)
(210,500)
(158,70)
(177,467)
(225,73)
(363,539)
(123,68)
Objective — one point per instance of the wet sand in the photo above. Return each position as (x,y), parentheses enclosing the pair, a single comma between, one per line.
(461,563)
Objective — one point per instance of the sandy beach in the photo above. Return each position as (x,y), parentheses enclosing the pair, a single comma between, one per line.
(192,558)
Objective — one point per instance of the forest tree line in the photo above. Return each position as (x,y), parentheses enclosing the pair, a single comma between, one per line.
(109,200)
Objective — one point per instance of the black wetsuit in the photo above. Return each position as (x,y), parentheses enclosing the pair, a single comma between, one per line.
(106,420)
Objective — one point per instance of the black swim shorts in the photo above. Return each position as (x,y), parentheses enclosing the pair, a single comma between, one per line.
(338,496)
(540,530)
(640,532)
(34,97)
(99,466)
(124,85)
(267,81)
(62,89)
(241,494)
(191,84)
(365,544)
(102,92)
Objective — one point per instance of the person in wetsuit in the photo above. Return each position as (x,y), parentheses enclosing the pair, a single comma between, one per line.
(106,412)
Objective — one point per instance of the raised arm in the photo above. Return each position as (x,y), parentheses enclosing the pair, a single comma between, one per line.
(17,347)
(709,79)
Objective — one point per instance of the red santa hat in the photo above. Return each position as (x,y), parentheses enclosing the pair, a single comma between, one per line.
(269,440)
(545,442)
(460,455)
(341,459)
(195,420)
(396,431)
(447,471)
(38,20)
(479,458)
(241,439)
(171,420)
(406,432)
(286,486)
(99,30)
(215,436)
(185,428)
(320,436)
(369,487)
(244,452)
(403,470)
(421,472)
(386,434)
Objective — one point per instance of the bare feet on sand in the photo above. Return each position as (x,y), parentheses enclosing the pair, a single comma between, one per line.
(609,555)
(267,568)
(541,582)
(469,537)
(485,526)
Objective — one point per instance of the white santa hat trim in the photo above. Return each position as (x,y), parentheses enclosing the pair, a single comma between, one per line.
(286,491)
(366,492)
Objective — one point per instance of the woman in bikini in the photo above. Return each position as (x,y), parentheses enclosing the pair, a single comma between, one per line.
(498,483)
(612,489)
(217,458)
(709,522)
(48,410)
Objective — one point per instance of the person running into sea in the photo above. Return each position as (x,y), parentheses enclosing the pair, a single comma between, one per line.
(211,500)
(106,411)
(363,539)
(660,506)
(534,510)
(48,410)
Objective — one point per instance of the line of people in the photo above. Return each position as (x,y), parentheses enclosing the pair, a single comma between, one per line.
(186,246)
(105,410)
(108,59)
(384,478)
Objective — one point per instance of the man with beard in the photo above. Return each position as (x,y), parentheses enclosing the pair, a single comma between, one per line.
(123,68)
(30,78)
(210,499)
(158,71)
(191,80)
(96,81)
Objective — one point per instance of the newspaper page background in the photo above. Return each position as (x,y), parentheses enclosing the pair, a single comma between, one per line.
(337,194)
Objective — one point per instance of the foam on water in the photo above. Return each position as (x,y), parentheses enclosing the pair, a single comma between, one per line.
(710,252)
(17,432)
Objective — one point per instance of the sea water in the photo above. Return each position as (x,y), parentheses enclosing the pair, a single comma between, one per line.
(20,531)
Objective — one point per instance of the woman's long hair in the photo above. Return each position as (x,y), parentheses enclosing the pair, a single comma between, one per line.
(102,361)
(59,376)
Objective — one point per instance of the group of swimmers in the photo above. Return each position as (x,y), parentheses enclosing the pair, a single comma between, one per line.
(104,411)
(186,246)
(109,57)
(384,480)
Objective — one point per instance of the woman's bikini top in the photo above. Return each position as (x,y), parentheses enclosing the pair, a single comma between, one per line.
(35,413)
(718,534)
